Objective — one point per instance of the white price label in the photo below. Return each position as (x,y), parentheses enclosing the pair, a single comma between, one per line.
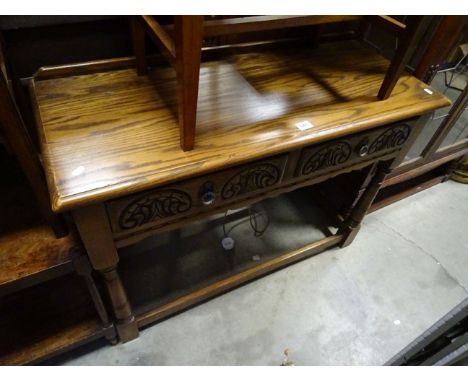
(304,125)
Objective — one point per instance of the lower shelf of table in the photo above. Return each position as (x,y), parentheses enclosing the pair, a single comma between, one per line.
(45,320)
(189,300)
(175,270)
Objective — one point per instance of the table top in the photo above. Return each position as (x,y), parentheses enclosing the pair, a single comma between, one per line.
(108,134)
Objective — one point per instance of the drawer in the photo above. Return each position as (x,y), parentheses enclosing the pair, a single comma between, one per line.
(192,196)
(347,151)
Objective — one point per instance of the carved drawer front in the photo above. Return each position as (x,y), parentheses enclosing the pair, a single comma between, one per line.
(250,179)
(193,196)
(348,151)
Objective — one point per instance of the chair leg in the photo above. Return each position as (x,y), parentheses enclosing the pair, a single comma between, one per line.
(24,151)
(138,43)
(188,43)
(409,39)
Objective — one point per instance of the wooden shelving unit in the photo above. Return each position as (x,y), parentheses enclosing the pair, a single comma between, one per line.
(31,255)
(45,307)
(29,250)
(37,323)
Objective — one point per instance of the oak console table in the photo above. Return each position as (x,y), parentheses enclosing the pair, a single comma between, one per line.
(268,123)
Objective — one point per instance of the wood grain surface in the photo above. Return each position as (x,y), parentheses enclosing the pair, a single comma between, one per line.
(27,252)
(110,134)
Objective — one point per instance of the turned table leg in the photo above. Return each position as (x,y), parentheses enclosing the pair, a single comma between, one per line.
(96,235)
(84,269)
(350,227)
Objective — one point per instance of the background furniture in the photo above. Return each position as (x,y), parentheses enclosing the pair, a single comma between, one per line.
(430,161)
(45,307)
(444,140)
(19,143)
(181,44)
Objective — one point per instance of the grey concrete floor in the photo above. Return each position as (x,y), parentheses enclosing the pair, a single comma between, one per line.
(354,306)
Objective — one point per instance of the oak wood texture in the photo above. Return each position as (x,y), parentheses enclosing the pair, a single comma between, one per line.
(124,239)
(248,183)
(31,252)
(193,190)
(183,51)
(93,226)
(94,229)
(87,67)
(109,134)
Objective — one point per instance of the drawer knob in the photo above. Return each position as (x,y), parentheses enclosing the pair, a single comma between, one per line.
(207,194)
(208,198)
(363,148)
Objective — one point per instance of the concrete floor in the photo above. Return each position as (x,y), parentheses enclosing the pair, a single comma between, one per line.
(354,306)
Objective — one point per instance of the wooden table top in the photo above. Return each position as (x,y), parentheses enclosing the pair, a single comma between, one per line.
(113,133)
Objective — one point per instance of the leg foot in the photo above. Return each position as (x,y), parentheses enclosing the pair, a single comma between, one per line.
(127,327)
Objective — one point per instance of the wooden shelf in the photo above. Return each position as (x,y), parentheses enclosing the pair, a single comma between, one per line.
(31,254)
(29,251)
(109,133)
(48,319)
(191,262)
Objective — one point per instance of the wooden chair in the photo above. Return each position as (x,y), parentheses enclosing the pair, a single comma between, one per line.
(181,45)
(20,144)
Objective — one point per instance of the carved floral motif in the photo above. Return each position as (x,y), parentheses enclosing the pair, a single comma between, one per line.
(331,155)
(392,137)
(251,179)
(161,204)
